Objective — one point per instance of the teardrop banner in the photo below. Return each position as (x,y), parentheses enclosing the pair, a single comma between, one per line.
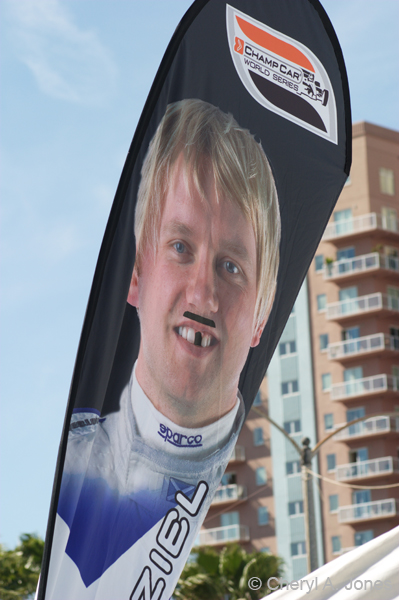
(240,154)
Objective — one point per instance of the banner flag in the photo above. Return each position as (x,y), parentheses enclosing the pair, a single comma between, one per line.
(239,157)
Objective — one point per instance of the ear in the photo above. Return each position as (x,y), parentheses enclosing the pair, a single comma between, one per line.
(258,333)
(133,295)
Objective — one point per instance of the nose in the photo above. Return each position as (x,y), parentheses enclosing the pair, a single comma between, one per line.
(201,291)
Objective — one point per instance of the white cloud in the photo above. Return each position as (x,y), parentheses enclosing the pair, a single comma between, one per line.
(66,61)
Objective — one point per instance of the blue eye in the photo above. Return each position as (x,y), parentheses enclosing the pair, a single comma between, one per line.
(231,267)
(179,247)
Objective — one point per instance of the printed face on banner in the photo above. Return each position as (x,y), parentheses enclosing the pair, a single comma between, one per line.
(137,482)
(205,263)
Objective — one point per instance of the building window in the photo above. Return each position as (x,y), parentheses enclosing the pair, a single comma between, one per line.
(344,253)
(258,436)
(298,549)
(228,479)
(289,387)
(393,297)
(265,550)
(260,476)
(328,421)
(292,426)
(287,348)
(319,262)
(321,302)
(295,508)
(361,496)
(230,518)
(326,382)
(343,221)
(258,400)
(293,467)
(389,218)
(361,537)
(336,544)
(333,502)
(387,181)
(263,515)
(351,333)
(358,455)
(323,341)
(330,462)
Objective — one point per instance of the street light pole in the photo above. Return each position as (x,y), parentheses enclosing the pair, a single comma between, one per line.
(309,508)
(307,454)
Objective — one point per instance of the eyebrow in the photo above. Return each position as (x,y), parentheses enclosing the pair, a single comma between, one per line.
(179,227)
(237,249)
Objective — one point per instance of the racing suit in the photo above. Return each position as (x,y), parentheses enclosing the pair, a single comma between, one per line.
(135,490)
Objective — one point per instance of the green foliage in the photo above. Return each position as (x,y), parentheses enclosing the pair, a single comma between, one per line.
(214,576)
(20,568)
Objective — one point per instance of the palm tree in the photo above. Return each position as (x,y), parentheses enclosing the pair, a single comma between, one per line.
(20,568)
(216,576)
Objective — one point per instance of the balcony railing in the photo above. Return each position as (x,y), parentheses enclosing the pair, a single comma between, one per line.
(229,493)
(361,264)
(367,468)
(361,304)
(356,225)
(222,535)
(362,345)
(362,387)
(372,426)
(238,454)
(368,510)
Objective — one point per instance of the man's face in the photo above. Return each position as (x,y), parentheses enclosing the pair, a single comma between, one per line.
(205,263)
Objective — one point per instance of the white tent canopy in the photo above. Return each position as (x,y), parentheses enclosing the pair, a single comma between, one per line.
(369,572)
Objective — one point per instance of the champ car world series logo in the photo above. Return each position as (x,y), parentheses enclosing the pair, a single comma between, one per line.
(282,74)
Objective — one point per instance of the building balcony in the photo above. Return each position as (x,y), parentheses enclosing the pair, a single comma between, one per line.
(366,386)
(222,535)
(370,428)
(380,509)
(357,226)
(367,469)
(238,454)
(349,268)
(229,493)
(378,343)
(382,304)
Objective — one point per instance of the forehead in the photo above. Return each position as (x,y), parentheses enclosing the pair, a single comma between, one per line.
(194,207)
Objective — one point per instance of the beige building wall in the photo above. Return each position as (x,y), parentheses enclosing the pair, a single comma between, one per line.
(370,234)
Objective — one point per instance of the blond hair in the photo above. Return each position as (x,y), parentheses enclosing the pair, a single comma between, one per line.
(242,174)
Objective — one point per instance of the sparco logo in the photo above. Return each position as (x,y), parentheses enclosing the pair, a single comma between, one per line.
(178,439)
(282,74)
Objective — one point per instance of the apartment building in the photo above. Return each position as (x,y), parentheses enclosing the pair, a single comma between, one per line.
(243,507)
(337,360)
(354,306)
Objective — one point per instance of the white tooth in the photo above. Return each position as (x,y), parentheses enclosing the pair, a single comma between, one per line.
(181,331)
(184,333)
(206,340)
(190,335)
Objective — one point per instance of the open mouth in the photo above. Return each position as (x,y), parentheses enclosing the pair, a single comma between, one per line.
(195,337)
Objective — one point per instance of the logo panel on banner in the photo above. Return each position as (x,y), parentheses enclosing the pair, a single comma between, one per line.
(282,74)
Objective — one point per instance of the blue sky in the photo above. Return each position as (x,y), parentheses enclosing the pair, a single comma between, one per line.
(74,77)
